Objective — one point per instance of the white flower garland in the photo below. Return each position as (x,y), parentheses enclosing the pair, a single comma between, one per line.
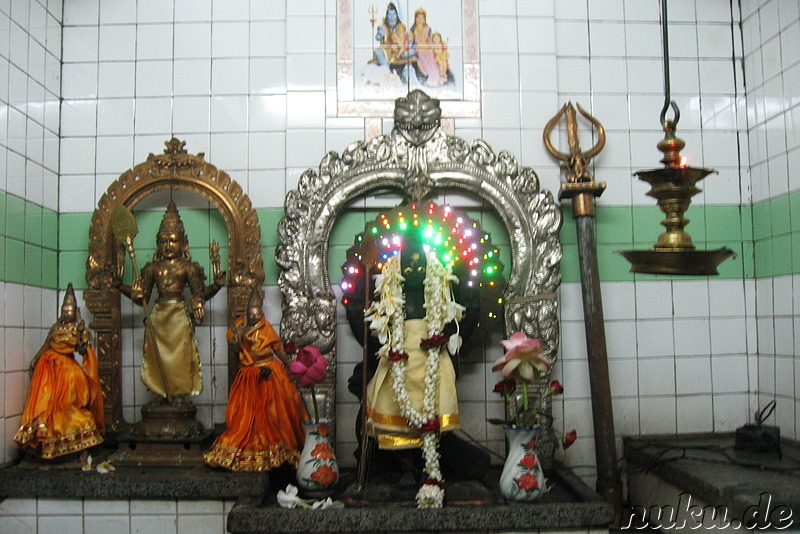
(388,321)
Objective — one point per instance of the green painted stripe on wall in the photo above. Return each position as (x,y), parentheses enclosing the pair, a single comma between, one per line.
(618,228)
(28,242)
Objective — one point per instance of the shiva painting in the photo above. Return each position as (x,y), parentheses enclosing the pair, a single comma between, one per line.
(387,49)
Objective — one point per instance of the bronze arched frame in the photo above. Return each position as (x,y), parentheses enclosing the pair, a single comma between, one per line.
(417,159)
(174,169)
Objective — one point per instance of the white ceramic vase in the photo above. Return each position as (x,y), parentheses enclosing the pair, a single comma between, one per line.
(317,469)
(522,479)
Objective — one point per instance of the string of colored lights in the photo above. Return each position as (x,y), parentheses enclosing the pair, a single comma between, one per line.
(458,240)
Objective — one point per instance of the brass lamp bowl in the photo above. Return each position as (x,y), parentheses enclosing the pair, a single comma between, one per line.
(673,188)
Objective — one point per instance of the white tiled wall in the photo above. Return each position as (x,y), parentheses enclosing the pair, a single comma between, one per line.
(771,36)
(252,84)
(30,79)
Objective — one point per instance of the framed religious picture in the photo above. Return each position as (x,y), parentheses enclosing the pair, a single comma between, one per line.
(385,50)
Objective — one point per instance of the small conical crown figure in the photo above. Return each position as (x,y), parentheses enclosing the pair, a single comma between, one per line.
(69,307)
(171,222)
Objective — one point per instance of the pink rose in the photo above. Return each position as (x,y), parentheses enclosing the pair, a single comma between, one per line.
(309,367)
(523,358)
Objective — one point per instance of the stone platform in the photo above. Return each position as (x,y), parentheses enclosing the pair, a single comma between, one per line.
(569,506)
(667,470)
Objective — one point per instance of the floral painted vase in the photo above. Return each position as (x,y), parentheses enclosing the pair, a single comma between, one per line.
(522,479)
(317,469)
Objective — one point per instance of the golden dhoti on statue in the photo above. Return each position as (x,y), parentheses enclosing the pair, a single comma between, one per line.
(178,350)
(384,418)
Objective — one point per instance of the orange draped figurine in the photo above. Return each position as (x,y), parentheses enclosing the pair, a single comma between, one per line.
(264,411)
(64,410)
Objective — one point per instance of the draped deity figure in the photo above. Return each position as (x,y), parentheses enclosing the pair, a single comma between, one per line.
(171,271)
(265,412)
(64,410)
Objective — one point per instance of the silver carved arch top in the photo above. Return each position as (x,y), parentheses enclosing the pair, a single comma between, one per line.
(417,159)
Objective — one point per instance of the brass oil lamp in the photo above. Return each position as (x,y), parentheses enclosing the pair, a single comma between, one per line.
(673,188)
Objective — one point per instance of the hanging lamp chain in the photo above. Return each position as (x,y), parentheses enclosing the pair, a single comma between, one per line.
(668,125)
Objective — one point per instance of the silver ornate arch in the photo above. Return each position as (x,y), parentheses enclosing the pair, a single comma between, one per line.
(417,159)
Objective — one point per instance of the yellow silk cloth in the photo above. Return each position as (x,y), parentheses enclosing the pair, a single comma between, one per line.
(64,410)
(178,350)
(263,415)
(384,418)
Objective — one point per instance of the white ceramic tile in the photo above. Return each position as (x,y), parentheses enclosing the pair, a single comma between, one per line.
(268,38)
(229,76)
(117,13)
(192,40)
(266,189)
(302,147)
(193,10)
(536,36)
(79,80)
(654,300)
(267,113)
(229,150)
(228,113)
(623,375)
(60,523)
(608,39)
(153,116)
(305,72)
(692,337)
(117,42)
(154,11)
(153,78)
(192,77)
(191,114)
(571,9)
(230,39)
(154,41)
(729,374)
(695,414)
(154,524)
(111,524)
(572,38)
(573,75)
(537,73)
(305,109)
(500,73)
(500,112)
(115,116)
(654,338)
(77,155)
(267,150)
(504,35)
(116,79)
(79,117)
(693,375)
(657,415)
(114,154)
(573,340)
(657,377)
(81,13)
(313,31)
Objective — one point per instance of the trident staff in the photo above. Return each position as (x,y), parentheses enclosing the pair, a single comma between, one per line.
(582,189)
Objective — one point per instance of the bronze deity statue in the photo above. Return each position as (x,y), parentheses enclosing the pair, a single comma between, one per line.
(172,368)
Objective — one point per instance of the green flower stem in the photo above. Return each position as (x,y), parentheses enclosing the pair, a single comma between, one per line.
(524,396)
(314,400)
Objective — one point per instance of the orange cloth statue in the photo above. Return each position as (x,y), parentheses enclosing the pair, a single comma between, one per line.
(265,411)
(64,410)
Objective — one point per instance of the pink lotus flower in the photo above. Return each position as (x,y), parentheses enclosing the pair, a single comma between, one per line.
(309,367)
(523,358)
